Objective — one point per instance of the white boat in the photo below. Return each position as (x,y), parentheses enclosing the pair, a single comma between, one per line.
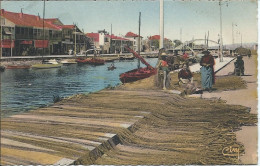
(68,62)
(47,64)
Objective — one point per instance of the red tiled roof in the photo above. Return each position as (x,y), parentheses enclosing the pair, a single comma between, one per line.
(67,26)
(156,37)
(116,37)
(94,36)
(27,20)
(51,19)
(131,34)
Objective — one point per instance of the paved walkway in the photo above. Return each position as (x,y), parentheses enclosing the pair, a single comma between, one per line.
(246,97)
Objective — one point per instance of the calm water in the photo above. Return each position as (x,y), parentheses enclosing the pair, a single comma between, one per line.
(26,89)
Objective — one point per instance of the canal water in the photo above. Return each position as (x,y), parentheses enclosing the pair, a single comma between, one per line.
(27,89)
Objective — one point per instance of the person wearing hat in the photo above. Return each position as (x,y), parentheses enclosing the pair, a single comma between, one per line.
(207,71)
(239,65)
(163,65)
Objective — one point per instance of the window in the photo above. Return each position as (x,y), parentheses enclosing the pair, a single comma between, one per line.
(22,31)
(17,30)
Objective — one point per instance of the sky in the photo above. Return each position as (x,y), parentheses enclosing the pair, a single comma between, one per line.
(193,17)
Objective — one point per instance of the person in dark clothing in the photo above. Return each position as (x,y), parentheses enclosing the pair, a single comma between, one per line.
(239,66)
(207,71)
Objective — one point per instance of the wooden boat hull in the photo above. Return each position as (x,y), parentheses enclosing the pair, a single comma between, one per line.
(46,66)
(137,74)
(18,66)
(111,68)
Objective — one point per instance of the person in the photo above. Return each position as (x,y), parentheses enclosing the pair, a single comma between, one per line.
(186,79)
(239,66)
(164,67)
(207,71)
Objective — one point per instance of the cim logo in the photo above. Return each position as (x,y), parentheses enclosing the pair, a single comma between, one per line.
(231,151)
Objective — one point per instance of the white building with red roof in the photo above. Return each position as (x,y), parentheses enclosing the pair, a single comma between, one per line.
(108,43)
(154,42)
(134,38)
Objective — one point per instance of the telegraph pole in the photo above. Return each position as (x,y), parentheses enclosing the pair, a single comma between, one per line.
(221,40)
(161,24)
(233,34)
(1,30)
(75,44)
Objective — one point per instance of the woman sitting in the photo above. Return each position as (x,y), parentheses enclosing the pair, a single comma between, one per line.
(186,79)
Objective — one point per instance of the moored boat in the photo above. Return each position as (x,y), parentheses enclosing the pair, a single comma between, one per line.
(47,64)
(2,68)
(91,61)
(139,73)
(68,62)
(18,66)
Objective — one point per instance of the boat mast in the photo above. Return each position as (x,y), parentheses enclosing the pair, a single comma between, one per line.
(139,37)
(43,28)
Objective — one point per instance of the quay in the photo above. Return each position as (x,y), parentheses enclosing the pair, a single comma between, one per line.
(105,56)
(135,123)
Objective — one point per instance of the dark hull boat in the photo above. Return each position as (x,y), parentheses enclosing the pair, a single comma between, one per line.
(137,74)
(18,66)
(2,68)
(91,61)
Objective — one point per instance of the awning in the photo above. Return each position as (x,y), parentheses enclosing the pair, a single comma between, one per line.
(41,43)
(7,43)
(26,42)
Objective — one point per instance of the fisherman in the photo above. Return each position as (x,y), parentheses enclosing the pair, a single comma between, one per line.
(239,66)
(207,71)
(163,65)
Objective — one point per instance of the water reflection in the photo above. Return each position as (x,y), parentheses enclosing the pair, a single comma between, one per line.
(26,89)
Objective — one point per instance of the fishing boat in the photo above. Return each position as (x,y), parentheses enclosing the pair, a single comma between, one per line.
(90,61)
(18,67)
(47,64)
(139,73)
(2,68)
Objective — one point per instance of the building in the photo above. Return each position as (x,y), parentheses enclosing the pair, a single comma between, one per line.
(155,40)
(25,34)
(69,34)
(134,38)
(28,35)
(109,43)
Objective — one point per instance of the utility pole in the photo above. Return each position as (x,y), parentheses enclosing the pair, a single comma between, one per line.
(161,24)
(75,43)
(1,30)
(241,39)
(221,40)
(233,34)
(111,41)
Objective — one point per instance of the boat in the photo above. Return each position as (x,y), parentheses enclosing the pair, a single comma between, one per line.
(90,61)
(126,58)
(47,64)
(68,62)
(18,67)
(139,73)
(2,68)
(112,67)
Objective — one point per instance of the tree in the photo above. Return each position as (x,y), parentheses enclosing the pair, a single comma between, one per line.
(177,43)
